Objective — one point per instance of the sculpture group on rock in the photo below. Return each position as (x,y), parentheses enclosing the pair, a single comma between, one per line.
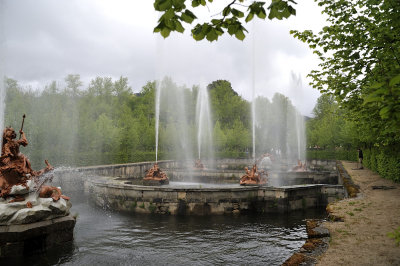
(198,164)
(155,174)
(16,170)
(254,177)
(300,167)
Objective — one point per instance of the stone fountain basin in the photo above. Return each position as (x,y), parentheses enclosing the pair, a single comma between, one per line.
(276,178)
(185,198)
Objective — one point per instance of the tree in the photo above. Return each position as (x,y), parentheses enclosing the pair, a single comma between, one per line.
(219,137)
(73,83)
(227,105)
(326,125)
(360,63)
(230,19)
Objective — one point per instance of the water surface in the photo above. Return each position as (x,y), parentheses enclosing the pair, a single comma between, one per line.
(103,237)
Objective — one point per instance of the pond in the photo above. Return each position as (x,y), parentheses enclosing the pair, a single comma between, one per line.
(103,237)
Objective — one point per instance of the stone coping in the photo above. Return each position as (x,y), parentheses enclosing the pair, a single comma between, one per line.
(21,228)
(115,183)
(121,165)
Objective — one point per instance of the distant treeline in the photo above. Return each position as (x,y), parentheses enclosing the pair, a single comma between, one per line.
(106,123)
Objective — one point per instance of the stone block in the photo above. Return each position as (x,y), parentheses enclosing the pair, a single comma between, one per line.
(181,195)
(26,238)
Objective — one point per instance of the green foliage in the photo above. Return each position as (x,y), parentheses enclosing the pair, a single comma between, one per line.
(384,160)
(360,65)
(395,235)
(330,154)
(107,124)
(230,19)
(331,127)
(360,70)
(227,105)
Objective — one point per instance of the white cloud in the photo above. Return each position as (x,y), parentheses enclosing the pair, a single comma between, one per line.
(46,40)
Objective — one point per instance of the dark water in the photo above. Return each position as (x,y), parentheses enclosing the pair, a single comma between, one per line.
(108,238)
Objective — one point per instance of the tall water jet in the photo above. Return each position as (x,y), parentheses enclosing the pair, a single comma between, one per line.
(157,115)
(175,125)
(204,125)
(253,86)
(280,129)
(253,115)
(301,138)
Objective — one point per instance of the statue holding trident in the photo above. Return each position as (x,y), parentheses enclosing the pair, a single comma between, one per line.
(15,168)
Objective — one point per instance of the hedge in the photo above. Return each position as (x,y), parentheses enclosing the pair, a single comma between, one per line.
(383,160)
(348,155)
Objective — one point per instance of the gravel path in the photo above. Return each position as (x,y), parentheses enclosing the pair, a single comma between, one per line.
(362,238)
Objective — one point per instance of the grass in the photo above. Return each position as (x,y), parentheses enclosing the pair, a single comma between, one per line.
(395,235)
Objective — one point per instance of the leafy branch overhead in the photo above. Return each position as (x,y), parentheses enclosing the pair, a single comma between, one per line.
(230,19)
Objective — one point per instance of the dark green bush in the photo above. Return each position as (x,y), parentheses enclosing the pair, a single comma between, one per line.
(385,161)
(348,155)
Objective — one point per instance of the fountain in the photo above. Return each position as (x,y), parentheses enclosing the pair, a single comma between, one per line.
(221,188)
(204,125)
(30,212)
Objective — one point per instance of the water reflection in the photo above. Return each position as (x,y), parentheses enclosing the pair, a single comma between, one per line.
(104,237)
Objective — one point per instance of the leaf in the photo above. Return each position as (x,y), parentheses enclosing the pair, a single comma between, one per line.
(212,35)
(261,14)
(240,35)
(179,27)
(372,98)
(226,11)
(195,3)
(292,10)
(384,112)
(162,5)
(249,17)
(169,14)
(215,21)
(237,13)
(188,16)
(178,4)
(200,31)
(197,30)
(377,85)
(219,31)
(394,81)
(286,13)
(232,29)
(159,27)
(165,32)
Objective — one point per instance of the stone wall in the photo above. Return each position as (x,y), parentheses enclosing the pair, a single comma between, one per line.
(73,179)
(322,165)
(201,201)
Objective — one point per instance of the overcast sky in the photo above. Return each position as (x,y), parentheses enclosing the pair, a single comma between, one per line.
(45,40)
